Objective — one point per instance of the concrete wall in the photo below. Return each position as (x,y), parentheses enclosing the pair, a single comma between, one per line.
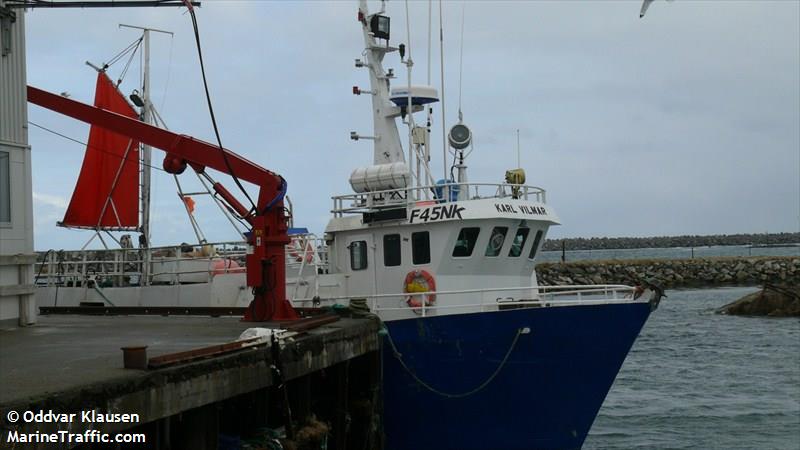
(17,304)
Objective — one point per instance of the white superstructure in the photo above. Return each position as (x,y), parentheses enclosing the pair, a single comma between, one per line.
(392,244)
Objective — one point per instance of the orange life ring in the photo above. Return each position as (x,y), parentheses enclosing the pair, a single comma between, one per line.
(297,251)
(419,281)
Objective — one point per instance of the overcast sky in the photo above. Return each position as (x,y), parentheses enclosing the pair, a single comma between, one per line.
(684,122)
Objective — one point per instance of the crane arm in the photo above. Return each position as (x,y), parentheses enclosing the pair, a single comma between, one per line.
(266,270)
(180,148)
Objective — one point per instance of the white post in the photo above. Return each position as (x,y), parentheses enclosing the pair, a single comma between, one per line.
(146,151)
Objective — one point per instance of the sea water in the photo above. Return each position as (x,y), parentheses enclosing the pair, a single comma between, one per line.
(696,379)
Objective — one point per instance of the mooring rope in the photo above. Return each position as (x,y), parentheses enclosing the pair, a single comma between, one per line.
(399,356)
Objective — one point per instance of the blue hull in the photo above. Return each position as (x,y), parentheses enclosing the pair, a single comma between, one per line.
(546,396)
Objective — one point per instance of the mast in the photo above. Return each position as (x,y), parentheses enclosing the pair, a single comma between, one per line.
(146,150)
(386,135)
(147,117)
(390,169)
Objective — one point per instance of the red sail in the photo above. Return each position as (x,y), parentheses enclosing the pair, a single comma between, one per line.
(107,193)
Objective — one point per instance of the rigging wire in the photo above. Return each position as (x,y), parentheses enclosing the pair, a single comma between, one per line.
(145,89)
(102,150)
(214,119)
(226,211)
(77,141)
(169,72)
(128,63)
(123,52)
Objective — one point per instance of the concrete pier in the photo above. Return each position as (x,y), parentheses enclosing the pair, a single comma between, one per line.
(70,364)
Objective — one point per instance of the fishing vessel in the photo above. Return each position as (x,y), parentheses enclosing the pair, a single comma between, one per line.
(112,202)
(476,354)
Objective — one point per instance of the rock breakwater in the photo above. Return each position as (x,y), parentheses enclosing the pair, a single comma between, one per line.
(671,273)
(616,243)
(772,301)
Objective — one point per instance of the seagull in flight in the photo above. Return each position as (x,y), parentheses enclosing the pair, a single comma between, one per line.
(646,5)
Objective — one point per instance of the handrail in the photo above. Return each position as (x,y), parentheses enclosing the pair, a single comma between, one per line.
(540,296)
(583,288)
(409,196)
(126,266)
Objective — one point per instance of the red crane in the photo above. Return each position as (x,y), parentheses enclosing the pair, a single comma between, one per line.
(266,270)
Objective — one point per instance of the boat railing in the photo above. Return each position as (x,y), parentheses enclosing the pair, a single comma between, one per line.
(185,263)
(306,253)
(440,193)
(307,250)
(491,299)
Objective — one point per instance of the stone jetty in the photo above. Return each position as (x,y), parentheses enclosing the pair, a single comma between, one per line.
(772,301)
(672,273)
(616,243)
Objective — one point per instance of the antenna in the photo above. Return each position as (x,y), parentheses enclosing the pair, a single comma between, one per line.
(518,160)
(410,105)
(430,15)
(461,59)
(441,66)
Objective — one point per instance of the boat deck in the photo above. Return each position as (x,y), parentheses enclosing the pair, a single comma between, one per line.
(72,363)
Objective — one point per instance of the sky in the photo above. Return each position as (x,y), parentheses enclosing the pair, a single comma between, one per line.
(684,122)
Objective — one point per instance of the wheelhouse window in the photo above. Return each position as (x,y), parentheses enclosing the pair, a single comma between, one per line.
(421,247)
(465,243)
(358,255)
(535,247)
(496,240)
(5,188)
(391,250)
(519,242)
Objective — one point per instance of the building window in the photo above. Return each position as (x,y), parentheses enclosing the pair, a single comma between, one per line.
(519,242)
(421,247)
(358,255)
(536,242)
(465,242)
(391,250)
(496,240)
(5,188)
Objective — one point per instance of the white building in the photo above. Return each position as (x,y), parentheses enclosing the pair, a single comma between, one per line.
(17,305)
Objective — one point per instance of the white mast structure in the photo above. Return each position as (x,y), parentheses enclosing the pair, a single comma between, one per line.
(386,136)
(147,117)
(390,170)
